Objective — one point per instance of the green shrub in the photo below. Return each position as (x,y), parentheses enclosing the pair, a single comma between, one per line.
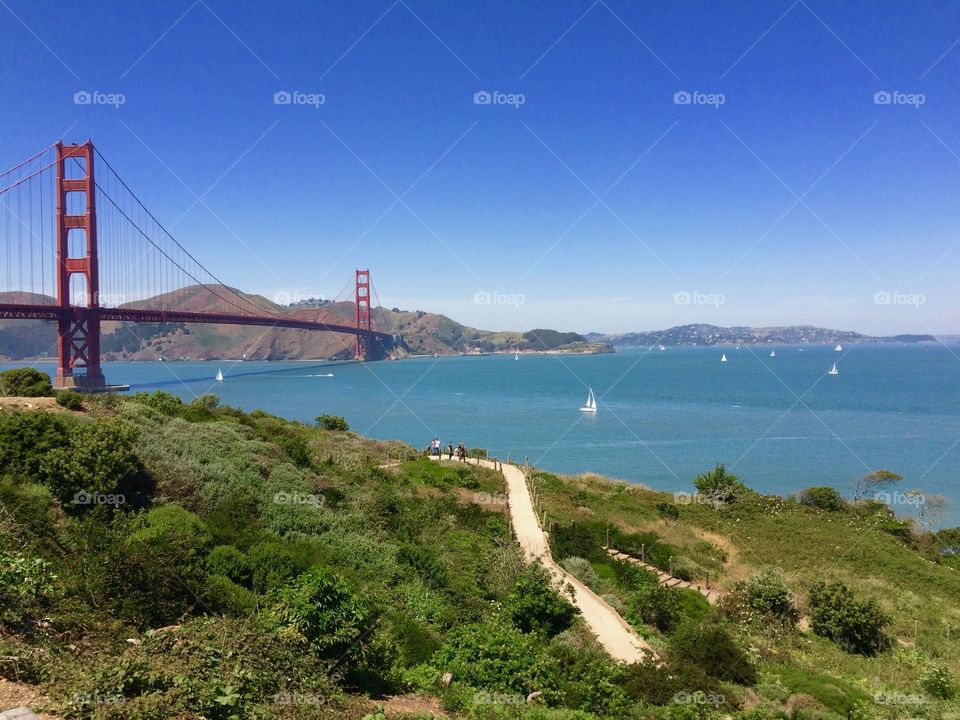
(160,401)
(766,591)
(226,596)
(658,683)
(577,540)
(97,458)
(858,626)
(825,498)
(493,656)
(272,564)
(533,606)
(295,448)
(719,485)
(668,510)
(25,382)
(332,422)
(26,439)
(319,610)
(656,605)
(70,399)
(226,560)
(24,581)
(712,648)
(939,681)
(582,570)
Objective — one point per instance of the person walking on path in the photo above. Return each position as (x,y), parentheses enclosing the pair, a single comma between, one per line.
(450,450)
(462,452)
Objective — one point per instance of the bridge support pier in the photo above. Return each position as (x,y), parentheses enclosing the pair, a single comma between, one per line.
(78,329)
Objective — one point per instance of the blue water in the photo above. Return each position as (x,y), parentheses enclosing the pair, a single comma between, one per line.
(781,423)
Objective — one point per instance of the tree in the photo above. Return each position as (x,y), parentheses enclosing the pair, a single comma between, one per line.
(96,459)
(930,509)
(719,485)
(25,382)
(858,626)
(332,422)
(948,540)
(872,482)
(825,498)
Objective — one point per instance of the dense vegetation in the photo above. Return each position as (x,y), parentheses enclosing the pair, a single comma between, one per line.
(166,559)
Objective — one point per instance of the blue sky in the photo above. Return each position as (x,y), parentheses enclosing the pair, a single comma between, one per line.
(783,193)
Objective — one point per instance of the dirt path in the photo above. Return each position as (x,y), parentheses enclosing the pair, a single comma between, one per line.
(613,632)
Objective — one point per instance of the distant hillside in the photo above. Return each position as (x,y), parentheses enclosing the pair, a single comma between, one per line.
(422,333)
(715,335)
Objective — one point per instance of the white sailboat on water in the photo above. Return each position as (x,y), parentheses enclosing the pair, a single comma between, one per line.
(773,353)
(591,406)
(833,370)
(838,348)
(219,377)
(723,358)
(516,356)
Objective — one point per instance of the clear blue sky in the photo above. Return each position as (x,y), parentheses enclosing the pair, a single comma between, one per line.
(702,201)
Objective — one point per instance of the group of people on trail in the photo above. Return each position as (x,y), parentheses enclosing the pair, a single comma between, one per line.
(436,448)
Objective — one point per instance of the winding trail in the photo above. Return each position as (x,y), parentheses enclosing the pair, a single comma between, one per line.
(616,636)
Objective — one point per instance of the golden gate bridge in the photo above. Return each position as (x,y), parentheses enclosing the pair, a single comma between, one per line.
(79,248)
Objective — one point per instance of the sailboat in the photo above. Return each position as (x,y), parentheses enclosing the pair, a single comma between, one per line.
(516,356)
(833,370)
(219,377)
(591,406)
(838,348)
(773,353)
(662,347)
(723,358)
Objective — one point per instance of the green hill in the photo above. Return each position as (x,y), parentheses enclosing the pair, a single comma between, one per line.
(161,559)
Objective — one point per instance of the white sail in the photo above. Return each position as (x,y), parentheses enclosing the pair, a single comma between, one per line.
(219,377)
(833,370)
(591,406)
(516,356)
(773,353)
(723,358)
(838,348)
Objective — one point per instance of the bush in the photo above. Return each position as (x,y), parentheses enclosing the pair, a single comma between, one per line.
(25,382)
(70,399)
(226,560)
(24,580)
(98,456)
(825,498)
(668,510)
(657,605)
(576,540)
(492,656)
(161,401)
(226,596)
(719,485)
(939,681)
(272,564)
(766,591)
(332,422)
(712,648)
(26,439)
(533,606)
(319,610)
(582,570)
(855,625)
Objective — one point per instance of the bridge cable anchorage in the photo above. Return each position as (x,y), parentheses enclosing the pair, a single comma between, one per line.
(95,233)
